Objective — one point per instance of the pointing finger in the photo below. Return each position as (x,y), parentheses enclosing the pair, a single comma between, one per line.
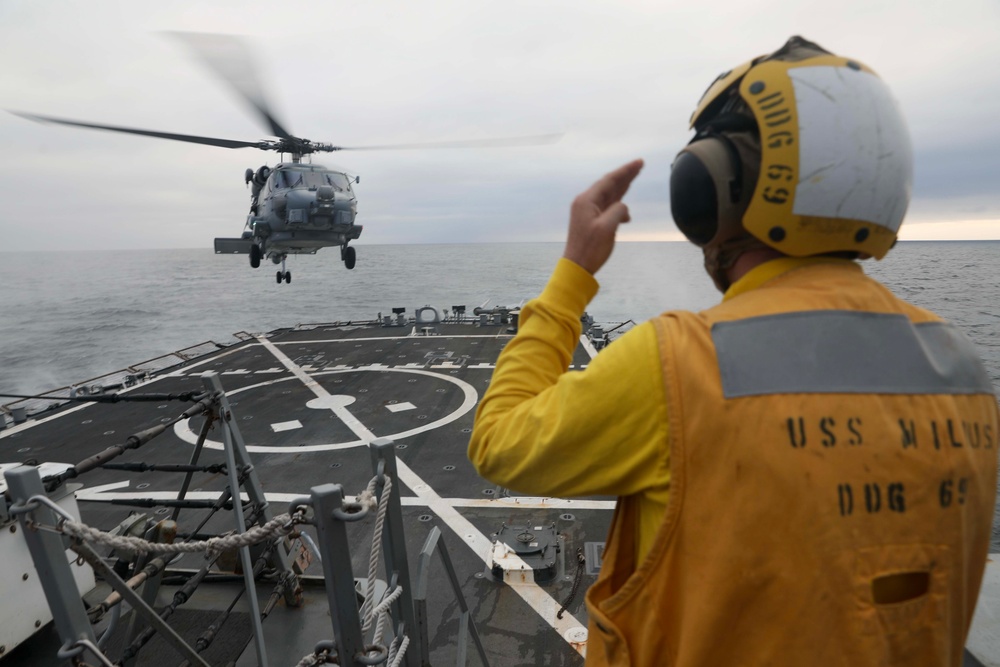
(613,186)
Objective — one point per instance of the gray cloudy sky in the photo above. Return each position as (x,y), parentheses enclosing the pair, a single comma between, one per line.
(618,78)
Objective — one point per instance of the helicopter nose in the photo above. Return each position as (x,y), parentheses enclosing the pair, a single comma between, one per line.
(328,199)
(342,201)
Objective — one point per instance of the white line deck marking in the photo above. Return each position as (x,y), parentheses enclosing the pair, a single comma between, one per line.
(286,426)
(399,407)
(537,598)
(107,492)
(342,367)
(532,594)
(407,338)
(588,346)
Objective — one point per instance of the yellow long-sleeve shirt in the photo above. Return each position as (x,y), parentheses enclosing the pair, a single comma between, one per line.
(601,431)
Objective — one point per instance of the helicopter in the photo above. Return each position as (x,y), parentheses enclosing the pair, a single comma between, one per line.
(295,207)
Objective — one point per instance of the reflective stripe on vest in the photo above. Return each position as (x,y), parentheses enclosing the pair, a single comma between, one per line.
(838,351)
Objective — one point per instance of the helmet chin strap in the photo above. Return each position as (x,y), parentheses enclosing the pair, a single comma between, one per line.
(719,258)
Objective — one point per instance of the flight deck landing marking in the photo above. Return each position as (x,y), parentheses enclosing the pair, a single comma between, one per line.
(337,403)
(333,402)
(540,600)
(286,426)
(535,596)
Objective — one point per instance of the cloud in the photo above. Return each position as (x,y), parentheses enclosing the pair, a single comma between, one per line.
(618,79)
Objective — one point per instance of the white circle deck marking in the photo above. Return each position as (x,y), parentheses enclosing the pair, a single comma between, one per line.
(184,431)
(330,402)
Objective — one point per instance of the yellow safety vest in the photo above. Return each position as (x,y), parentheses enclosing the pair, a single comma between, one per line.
(833,474)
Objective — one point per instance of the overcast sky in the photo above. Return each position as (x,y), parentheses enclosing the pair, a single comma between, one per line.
(619,79)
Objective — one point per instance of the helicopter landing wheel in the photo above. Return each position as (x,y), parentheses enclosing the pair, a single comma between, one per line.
(350,257)
(288,276)
(278,276)
(255,255)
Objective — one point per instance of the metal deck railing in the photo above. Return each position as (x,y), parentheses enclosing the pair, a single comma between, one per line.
(388,627)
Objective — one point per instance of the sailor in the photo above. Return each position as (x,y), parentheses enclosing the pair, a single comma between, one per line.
(806,472)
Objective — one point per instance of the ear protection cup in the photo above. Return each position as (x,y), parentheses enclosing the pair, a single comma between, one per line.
(693,198)
(707,189)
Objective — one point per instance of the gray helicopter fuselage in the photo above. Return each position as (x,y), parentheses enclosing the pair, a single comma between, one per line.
(299,208)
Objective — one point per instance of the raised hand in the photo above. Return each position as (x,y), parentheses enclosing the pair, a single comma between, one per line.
(595,215)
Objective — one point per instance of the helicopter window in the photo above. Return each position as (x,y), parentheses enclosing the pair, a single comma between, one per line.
(289,179)
(314,179)
(338,181)
(293,178)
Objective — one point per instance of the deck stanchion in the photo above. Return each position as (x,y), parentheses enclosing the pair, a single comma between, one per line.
(327,503)
(465,622)
(394,544)
(48,551)
(233,465)
(283,557)
(195,455)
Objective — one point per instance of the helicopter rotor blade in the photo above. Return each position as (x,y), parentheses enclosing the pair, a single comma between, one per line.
(190,138)
(228,57)
(505,142)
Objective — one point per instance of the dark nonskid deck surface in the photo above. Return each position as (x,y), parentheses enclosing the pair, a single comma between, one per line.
(307,401)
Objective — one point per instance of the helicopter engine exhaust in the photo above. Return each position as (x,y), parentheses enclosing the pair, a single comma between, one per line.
(260,178)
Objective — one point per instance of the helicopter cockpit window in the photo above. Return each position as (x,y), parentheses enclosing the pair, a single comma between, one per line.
(338,181)
(293,178)
(288,178)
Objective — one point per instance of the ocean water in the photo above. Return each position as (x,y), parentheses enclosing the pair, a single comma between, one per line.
(67,317)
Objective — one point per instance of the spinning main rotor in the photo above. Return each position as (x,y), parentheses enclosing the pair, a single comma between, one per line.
(228,58)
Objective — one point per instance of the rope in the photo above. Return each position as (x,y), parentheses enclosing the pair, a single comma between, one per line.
(397,658)
(370,612)
(368,497)
(382,613)
(279,526)
(580,562)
